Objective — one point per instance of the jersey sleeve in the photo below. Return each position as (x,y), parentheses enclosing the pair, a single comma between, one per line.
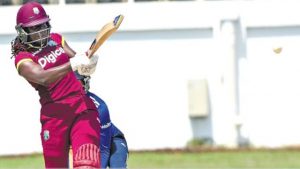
(21,58)
(58,38)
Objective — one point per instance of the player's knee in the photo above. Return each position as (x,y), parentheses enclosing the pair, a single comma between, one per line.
(87,156)
(119,154)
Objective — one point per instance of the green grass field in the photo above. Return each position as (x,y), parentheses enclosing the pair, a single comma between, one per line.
(260,159)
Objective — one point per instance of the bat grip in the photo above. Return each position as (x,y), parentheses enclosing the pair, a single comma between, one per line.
(88,53)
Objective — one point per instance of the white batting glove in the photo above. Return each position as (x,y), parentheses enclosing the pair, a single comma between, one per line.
(79,59)
(88,69)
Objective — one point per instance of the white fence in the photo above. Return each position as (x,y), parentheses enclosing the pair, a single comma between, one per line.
(146,67)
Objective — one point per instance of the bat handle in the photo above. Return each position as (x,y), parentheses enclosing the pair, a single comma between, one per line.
(88,54)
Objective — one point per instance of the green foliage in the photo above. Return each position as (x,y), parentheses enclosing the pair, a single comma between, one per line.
(197,142)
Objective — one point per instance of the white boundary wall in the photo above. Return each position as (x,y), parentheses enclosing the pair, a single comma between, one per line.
(145,68)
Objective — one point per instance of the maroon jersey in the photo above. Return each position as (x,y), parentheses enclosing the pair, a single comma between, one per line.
(64,89)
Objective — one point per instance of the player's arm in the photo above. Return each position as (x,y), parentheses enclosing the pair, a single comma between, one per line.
(33,72)
(70,52)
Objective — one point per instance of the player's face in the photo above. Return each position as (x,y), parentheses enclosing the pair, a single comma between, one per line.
(39,34)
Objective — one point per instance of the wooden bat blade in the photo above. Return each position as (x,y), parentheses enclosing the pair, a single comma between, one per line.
(105,32)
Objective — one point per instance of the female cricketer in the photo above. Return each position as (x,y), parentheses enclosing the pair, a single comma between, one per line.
(68,116)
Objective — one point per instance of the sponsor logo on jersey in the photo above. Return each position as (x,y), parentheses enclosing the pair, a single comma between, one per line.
(124,145)
(46,135)
(52,43)
(104,126)
(50,58)
(97,104)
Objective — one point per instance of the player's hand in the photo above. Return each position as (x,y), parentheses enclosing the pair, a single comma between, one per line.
(79,59)
(88,69)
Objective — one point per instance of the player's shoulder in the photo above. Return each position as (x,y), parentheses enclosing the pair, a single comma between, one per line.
(22,57)
(95,98)
(56,37)
(24,53)
(54,34)
(90,94)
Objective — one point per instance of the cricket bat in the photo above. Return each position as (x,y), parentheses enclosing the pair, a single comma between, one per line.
(105,32)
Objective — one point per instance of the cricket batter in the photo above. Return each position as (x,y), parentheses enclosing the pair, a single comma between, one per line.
(68,116)
(114,150)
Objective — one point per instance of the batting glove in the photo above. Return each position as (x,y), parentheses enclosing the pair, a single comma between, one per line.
(79,59)
(88,69)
